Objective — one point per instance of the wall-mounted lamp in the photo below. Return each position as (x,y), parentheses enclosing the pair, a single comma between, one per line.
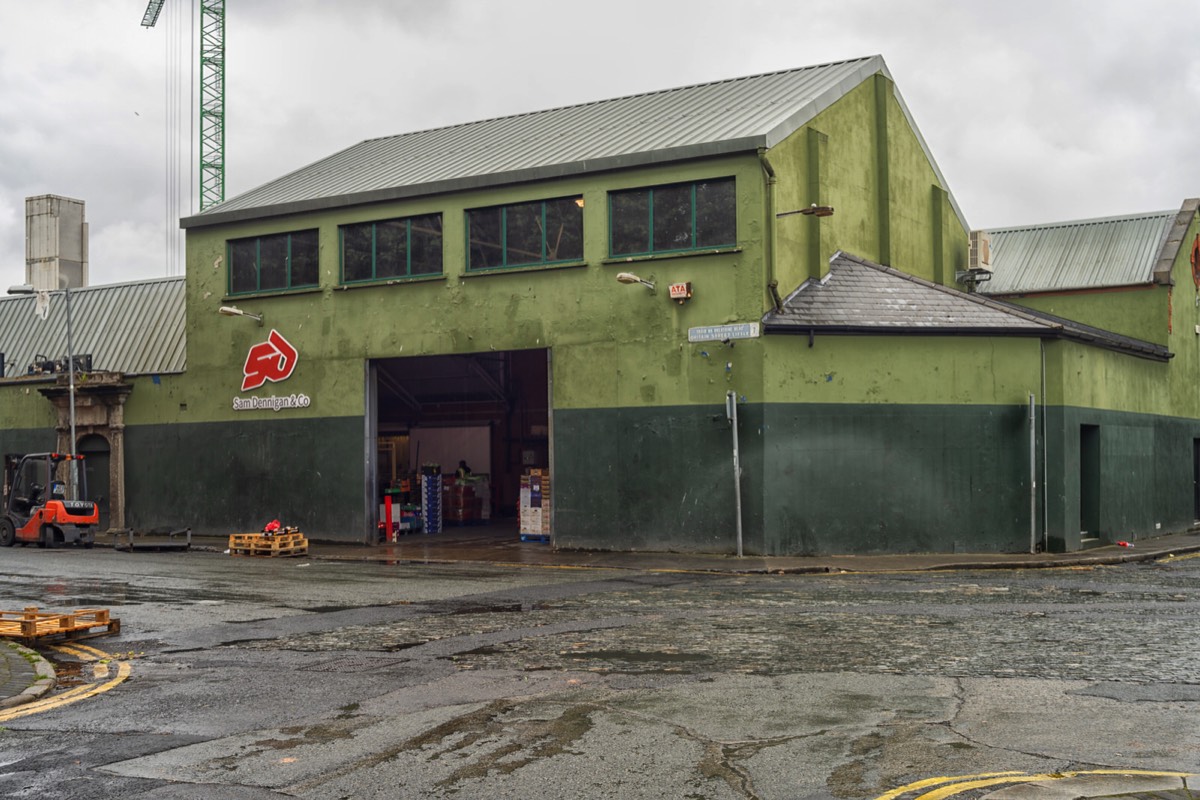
(629,277)
(812,211)
(234,311)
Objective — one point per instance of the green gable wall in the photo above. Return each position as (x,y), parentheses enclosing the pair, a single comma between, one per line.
(862,157)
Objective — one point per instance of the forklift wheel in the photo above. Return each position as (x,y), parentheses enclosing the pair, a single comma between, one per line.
(47,539)
(8,536)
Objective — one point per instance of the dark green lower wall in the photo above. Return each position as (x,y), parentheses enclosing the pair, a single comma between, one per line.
(817,479)
(896,479)
(822,479)
(645,479)
(1144,484)
(221,478)
(27,441)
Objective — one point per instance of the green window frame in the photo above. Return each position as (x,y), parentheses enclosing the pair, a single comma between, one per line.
(390,249)
(272,263)
(537,233)
(672,218)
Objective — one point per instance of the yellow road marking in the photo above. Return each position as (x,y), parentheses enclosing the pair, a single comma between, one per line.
(1173,557)
(95,652)
(984,779)
(75,650)
(100,671)
(912,787)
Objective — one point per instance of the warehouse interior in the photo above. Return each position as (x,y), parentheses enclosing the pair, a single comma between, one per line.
(491,410)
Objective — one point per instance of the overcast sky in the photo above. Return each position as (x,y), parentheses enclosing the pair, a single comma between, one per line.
(1035,111)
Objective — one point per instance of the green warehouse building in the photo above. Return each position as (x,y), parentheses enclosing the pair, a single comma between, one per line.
(741,314)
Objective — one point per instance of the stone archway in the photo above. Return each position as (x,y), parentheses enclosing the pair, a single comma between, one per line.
(99,412)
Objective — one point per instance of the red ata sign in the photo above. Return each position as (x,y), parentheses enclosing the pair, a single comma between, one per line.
(272,360)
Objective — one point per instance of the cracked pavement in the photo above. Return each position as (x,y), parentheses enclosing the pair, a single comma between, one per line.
(292,678)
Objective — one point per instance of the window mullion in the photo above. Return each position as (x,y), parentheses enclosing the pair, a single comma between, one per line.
(408,248)
(504,236)
(543,231)
(695,242)
(374,251)
(258,264)
(650,227)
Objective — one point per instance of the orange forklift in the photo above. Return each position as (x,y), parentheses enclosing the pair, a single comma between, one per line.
(44,501)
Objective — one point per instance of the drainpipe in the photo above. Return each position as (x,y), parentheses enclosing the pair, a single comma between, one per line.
(769,231)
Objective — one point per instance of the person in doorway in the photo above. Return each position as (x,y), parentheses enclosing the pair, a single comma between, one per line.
(463,470)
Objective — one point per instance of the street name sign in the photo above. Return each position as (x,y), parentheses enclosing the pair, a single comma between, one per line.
(719,333)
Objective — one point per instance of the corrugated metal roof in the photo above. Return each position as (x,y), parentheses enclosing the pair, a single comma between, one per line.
(861,297)
(1085,254)
(134,328)
(709,119)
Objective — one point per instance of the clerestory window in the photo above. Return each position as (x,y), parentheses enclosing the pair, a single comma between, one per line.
(674,218)
(389,249)
(272,263)
(525,234)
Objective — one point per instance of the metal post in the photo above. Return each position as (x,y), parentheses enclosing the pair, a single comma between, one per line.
(70,371)
(1032,474)
(731,413)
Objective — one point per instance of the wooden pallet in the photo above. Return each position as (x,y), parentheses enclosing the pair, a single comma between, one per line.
(275,545)
(32,626)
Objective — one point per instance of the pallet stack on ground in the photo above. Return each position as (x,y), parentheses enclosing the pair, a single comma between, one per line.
(535,506)
(288,542)
(463,506)
(31,626)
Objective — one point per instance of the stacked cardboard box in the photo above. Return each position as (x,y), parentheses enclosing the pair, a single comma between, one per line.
(535,504)
(461,504)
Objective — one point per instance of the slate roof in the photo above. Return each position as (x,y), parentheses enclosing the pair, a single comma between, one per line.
(712,119)
(860,297)
(1086,254)
(133,328)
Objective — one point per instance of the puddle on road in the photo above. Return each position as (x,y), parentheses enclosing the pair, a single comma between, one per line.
(67,674)
(634,656)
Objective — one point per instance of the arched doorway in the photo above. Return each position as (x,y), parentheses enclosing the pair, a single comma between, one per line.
(95,450)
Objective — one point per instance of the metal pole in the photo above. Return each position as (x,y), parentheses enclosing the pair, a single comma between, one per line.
(70,370)
(1032,474)
(731,409)
(74,470)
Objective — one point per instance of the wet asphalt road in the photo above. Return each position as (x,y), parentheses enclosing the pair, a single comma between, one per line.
(256,678)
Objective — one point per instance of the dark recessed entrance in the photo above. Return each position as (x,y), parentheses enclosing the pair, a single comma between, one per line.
(491,410)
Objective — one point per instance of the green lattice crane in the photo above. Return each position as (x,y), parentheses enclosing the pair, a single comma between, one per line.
(212,96)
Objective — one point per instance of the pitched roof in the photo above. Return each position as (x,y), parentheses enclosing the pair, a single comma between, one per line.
(1085,254)
(860,297)
(730,116)
(133,328)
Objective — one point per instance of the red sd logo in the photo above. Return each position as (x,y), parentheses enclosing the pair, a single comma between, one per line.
(272,360)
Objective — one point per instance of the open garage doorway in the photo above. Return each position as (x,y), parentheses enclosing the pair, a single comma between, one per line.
(490,410)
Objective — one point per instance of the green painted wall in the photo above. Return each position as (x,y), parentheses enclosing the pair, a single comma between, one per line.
(222,478)
(818,479)
(1140,312)
(868,162)
(23,406)
(1145,479)
(616,329)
